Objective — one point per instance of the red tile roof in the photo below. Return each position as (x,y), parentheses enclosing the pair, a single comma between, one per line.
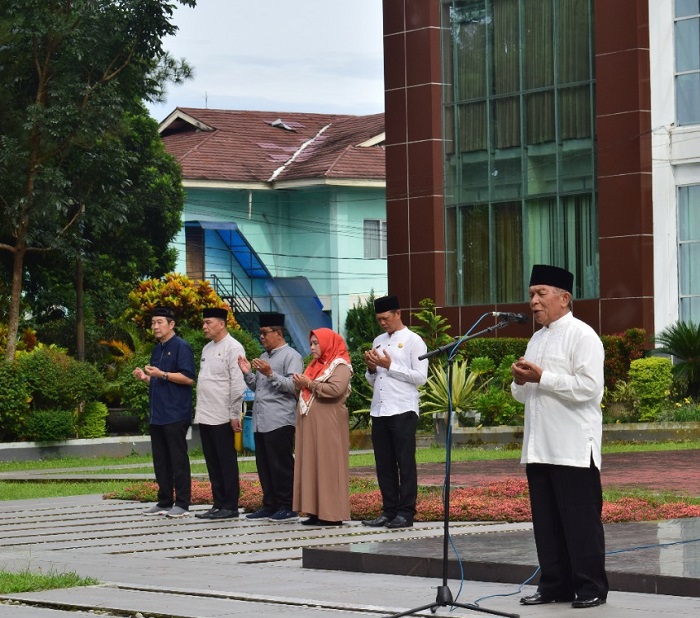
(245,146)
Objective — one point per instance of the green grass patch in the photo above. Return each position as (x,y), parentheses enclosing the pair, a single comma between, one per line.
(24,490)
(27,581)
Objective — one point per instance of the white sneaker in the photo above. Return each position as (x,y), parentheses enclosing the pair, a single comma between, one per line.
(157,510)
(177,511)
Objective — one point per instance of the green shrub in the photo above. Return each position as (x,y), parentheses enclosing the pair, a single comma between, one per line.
(92,420)
(685,411)
(496,405)
(360,397)
(50,425)
(14,401)
(651,380)
(620,351)
(621,404)
(361,325)
(185,296)
(55,380)
(133,393)
(432,328)
(495,348)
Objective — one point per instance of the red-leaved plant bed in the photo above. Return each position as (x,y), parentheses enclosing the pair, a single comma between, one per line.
(505,501)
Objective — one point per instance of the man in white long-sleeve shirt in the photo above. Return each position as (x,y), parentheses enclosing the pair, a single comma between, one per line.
(395,373)
(560,381)
(220,388)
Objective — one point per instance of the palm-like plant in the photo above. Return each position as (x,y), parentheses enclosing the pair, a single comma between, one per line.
(467,384)
(682,341)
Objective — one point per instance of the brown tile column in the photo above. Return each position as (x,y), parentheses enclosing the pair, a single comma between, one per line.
(623,125)
(413,104)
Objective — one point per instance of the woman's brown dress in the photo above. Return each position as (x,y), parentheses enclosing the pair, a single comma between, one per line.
(321,467)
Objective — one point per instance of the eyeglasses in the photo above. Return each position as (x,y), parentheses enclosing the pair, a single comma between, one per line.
(265,333)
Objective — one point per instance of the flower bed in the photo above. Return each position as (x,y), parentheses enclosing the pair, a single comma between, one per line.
(506,501)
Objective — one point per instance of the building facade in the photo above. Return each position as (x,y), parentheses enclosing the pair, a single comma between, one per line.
(284,211)
(545,131)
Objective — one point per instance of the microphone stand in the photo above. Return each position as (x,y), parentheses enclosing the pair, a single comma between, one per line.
(444,595)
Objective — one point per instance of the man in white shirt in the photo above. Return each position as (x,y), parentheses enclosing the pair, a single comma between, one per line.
(220,389)
(395,373)
(560,381)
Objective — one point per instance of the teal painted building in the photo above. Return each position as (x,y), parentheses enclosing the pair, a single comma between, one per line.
(283,212)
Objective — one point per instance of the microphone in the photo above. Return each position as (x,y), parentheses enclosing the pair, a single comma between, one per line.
(520,318)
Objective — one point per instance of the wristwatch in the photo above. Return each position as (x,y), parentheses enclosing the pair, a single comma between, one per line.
(165,376)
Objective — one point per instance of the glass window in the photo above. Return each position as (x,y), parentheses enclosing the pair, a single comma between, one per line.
(520,177)
(689,253)
(688,98)
(374,239)
(687,42)
(687,45)
(684,8)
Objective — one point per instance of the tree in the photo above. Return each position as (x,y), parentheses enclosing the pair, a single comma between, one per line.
(361,324)
(143,189)
(70,69)
(682,341)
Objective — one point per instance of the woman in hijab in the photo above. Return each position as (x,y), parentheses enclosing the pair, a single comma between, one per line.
(321,474)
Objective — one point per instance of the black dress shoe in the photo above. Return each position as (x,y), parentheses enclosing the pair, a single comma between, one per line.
(382,520)
(540,599)
(322,522)
(582,603)
(399,522)
(312,520)
(206,514)
(224,514)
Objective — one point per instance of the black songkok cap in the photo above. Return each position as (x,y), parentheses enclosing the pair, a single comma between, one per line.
(165,312)
(215,312)
(386,303)
(552,275)
(271,320)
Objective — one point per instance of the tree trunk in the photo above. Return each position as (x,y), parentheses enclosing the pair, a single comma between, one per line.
(15,299)
(79,313)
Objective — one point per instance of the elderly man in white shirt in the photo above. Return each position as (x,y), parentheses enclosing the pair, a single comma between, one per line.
(220,389)
(395,373)
(560,381)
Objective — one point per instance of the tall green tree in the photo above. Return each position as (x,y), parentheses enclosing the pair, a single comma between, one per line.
(69,70)
(141,195)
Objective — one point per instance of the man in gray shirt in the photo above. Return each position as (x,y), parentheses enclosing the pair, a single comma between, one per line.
(274,417)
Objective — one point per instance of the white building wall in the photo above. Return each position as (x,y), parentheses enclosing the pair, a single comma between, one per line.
(675,161)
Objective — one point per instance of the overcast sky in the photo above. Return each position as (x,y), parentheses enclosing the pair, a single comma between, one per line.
(279,55)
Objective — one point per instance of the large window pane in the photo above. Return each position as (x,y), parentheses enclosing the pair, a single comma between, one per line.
(688,99)
(475,179)
(508,230)
(688,45)
(689,213)
(687,7)
(506,48)
(689,252)
(472,127)
(506,122)
(573,59)
(469,23)
(374,239)
(474,249)
(575,113)
(540,125)
(538,43)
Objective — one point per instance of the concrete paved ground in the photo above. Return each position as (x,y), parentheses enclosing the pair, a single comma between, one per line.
(188,568)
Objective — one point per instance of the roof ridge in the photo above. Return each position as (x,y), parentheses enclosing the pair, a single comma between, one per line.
(297,152)
(206,138)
